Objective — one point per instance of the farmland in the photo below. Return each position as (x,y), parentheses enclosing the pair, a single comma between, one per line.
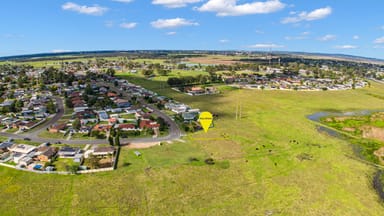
(271,161)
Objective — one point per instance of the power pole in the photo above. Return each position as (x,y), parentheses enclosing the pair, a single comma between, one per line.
(237,106)
(240,110)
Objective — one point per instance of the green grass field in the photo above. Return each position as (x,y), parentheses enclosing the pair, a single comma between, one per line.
(258,170)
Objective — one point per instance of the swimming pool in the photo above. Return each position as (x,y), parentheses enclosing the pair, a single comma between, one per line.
(37,166)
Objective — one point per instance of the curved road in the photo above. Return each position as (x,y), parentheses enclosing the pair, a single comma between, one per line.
(174,131)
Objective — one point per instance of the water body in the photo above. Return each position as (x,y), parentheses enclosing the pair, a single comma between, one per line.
(376,181)
(317,116)
(332,132)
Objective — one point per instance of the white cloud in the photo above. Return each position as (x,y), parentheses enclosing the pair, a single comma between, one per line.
(231,8)
(346,47)
(309,16)
(83,9)
(379,40)
(174,3)
(382,27)
(224,41)
(172,23)
(327,37)
(265,46)
(123,1)
(356,37)
(128,25)
(60,51)
(171,33)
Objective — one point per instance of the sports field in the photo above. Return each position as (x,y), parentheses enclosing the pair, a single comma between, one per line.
(272,161)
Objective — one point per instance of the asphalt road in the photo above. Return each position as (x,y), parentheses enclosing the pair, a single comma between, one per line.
(174,131)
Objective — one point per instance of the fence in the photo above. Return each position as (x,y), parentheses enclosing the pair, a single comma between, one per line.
(59,172)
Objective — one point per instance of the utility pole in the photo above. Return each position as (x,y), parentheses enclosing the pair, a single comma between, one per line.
(237,106)
(238,111)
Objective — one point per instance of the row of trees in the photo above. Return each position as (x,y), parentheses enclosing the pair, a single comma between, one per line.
(189,80)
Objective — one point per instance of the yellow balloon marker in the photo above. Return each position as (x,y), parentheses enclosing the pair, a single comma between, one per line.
(205,120)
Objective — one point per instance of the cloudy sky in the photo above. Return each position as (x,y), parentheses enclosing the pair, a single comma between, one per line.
(327,26)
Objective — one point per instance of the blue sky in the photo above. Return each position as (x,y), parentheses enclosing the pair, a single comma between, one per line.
(327,26)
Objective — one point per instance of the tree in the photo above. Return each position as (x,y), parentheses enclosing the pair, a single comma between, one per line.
(18,105)
(163,72)
(147,72)
(111,72)
(88,89)
(117,139)
(181,66)
(72,168)
(162,123)
(76,124)
(110,140)
(51,108)
(68,103)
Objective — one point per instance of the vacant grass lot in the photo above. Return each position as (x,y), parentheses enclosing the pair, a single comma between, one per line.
(271,161)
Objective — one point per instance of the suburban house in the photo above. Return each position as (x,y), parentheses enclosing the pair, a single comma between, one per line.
(56,128)
(196,90)
(103,116)
(25,161)
(127,127)
(103,151)
(101,127)
(22,148)
(68,152)
(189,116)
(148,124)
(122,103)
(111,95)
(47,153)
(5,146)
(86,116)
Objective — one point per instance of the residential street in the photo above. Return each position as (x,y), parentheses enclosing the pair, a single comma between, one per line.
(174,131)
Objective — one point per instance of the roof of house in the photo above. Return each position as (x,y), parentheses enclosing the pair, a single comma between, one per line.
(22,148)
(59,126)
(50,152)
(104,149)
(100,127)
(67,149)
(148,124)
(121,126)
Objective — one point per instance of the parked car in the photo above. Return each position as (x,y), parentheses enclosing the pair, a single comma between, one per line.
(27,139)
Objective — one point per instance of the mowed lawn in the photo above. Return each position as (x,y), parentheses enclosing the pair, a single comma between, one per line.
(272,161)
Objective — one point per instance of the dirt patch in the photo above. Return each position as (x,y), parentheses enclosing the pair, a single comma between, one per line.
(377,116)
(380,154)
(373,132)
(141,145)
(344,118)
(208,60)
(349,129)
